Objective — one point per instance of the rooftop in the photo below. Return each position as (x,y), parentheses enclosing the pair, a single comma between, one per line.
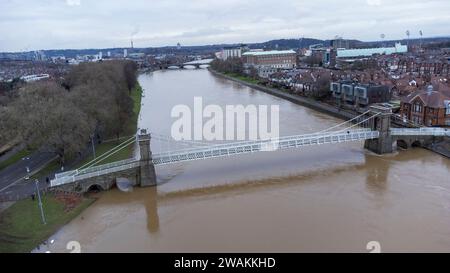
(430,96)
(271,52)
(367,52)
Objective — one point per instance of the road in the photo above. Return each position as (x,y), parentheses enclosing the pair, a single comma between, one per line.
(12,178)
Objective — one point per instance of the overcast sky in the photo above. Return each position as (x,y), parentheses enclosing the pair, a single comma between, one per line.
(57,24)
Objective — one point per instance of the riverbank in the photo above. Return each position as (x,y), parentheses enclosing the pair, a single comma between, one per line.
(21,227)
(310,103)
(136,95)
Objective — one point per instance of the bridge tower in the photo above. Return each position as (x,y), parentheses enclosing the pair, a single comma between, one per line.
(381,123)
(147,172)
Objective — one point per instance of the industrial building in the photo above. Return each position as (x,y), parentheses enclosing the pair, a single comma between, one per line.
(368,52)
(232,52)
(268,62)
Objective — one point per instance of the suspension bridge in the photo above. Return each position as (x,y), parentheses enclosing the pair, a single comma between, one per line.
(372,127)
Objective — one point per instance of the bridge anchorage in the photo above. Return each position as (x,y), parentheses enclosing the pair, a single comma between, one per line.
(373,127)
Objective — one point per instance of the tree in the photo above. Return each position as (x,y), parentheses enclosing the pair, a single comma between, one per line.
(230,65)
(45,119)
(6,133)
(313,60)
(364,65)
(253,73)
(61,118)
(130,74)
(102,91)
(321,86)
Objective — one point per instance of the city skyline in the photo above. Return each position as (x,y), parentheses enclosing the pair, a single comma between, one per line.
(80,24)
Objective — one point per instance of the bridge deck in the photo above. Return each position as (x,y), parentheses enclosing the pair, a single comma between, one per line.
(263,145)
(218,151)
(235,148)
(199,62)
(420,132)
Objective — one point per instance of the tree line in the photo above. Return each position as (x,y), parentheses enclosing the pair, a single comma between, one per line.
(92,101)
(231,65)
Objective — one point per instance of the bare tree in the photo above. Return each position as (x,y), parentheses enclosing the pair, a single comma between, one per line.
(93,99)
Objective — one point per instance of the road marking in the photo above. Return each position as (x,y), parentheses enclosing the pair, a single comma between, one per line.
(29,174)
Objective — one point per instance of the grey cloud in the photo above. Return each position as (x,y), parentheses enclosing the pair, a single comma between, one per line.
(104,23)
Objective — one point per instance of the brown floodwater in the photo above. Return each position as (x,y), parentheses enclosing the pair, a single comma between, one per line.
(320,198)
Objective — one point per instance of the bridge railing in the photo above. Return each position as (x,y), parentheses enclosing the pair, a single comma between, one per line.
(252,142)
(420,131)
(95,168)
(222,150)
(74,178)
(266,145)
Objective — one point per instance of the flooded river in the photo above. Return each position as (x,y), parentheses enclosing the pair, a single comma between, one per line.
(320,198)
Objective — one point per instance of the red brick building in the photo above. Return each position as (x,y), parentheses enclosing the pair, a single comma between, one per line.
(429,106)
(268,62)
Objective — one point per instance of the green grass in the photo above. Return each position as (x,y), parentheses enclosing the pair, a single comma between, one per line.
(21,229)
(15,158)
(242,78)
(136,95)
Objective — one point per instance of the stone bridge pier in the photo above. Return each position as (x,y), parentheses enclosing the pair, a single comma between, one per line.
(406,142)
(384,144)
(382,124)
(147,174)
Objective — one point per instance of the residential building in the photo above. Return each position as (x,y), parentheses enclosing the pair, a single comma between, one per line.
(429,106)
(359,95)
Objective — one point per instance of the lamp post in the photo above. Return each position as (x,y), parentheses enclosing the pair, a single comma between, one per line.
(93,146)
(40,202)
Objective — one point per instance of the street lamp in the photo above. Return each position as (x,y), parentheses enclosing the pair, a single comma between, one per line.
(93,146)
(40,202)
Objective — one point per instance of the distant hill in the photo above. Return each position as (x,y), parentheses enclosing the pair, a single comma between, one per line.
(288,43)
(209,49)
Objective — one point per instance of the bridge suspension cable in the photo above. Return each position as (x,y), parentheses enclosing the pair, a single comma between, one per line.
(345,122)
(166,143)
(107,154)
(184,142)
(365,121)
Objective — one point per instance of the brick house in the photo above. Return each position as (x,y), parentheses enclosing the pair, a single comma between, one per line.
(429,106)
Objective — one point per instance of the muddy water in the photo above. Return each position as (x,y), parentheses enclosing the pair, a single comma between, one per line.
(322,198)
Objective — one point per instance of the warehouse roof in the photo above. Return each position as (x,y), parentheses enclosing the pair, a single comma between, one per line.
(271,52)
(367,52)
